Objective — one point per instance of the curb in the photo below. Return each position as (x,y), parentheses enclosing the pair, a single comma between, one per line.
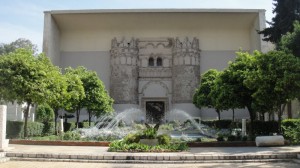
(154,157)
(149,161)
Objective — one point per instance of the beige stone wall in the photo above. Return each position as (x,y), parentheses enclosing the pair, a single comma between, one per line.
(84,38)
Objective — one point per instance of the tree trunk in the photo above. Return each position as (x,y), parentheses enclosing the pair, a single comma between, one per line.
(219,115)
(90,116)
(232,115)
(26,119)
(55,120)
(77,117)
(280,112)
(252,118)
(289,109)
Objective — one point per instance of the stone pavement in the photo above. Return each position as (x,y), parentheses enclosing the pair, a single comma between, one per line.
(194,155)
(24,164)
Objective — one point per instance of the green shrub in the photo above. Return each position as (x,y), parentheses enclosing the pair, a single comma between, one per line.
(132,138)
(14,129)
(220,138)
(223,124)
(121,146)
(231,138)
(164,139)
(71,135)
(291,130)
(49,128)
(44,113)
(34,129)
(149,133)
(85,124)
(69,126)
(264,127)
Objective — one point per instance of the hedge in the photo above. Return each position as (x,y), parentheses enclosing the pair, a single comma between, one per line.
(259,127)
(69,126)
(49,128)
(291,130)
(15,129)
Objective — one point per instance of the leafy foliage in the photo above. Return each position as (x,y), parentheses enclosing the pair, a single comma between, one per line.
(203,96)
(287,11)
(87,91)
(25,78)
(291,130)
(19,43)
(291,40)
(71,135)
(44,113)
(122,146)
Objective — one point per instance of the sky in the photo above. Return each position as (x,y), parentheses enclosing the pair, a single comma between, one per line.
(25,18)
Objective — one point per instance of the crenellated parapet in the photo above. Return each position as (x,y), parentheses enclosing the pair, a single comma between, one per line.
(185,69)
(186,52)
(124,52)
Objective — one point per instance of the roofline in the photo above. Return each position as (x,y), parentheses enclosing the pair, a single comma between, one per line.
(166,10)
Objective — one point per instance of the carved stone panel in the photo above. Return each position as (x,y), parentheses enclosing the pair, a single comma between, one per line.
(185,81)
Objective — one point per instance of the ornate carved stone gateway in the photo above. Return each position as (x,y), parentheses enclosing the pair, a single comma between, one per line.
(151,69)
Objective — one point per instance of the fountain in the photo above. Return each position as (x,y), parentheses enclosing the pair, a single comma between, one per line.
(109,127)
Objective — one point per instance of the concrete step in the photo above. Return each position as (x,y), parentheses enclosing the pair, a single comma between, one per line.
(148,161)
(150,157)
(3,157)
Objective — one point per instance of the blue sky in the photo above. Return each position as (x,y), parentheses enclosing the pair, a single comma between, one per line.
(25,18)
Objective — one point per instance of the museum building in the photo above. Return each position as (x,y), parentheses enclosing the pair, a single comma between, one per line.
(152,59)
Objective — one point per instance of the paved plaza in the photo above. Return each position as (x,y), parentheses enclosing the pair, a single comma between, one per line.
(26,164)
(93,156)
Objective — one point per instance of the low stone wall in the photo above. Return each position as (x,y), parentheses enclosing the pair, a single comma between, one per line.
(80,143)
(57,143)
(277,140)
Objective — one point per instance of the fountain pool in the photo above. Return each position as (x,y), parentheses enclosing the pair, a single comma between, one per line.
(110,127)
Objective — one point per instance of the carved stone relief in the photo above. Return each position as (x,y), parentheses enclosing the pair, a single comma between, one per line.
(173,59)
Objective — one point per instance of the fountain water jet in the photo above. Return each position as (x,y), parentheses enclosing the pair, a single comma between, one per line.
(109,125)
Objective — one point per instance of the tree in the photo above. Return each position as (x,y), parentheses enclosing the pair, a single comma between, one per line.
(287,11)
(24,78)
(203,96)
(75,92)
(97,100)
(58,96)
(224,93)
(290,41)
(275,81)
(19,43)
(235,76)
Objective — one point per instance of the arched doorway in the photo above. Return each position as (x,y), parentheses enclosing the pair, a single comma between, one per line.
(155,111)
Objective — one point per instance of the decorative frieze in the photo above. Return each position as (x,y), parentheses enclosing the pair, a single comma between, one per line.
(154,58)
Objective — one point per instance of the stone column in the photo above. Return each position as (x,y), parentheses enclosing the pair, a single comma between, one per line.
(3,140)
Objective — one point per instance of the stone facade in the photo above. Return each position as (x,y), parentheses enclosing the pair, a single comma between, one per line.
(170,66)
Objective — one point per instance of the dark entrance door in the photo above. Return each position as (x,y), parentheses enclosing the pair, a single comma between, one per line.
(155,111)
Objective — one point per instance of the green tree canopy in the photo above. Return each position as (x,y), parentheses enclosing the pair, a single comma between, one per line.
(286,12)
(19,43)
(97,101)
(290,42)
(24,78)
(275,81)
(75,92)
(203,96)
